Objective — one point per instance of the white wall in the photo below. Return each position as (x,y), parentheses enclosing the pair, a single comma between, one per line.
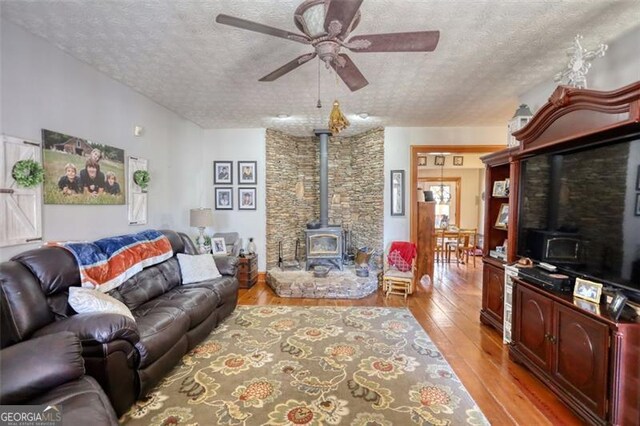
(43,87)
(397,153)
(237,145)
(620,66)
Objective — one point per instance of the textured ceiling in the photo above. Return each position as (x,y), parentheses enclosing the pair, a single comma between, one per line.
(174,53)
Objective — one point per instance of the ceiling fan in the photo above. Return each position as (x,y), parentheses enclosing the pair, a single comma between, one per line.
(326,24)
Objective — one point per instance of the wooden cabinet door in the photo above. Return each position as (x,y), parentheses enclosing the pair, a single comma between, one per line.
(581,357)
(493,291)
(533,326)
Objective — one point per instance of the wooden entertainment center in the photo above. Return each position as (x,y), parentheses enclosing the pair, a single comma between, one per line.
(590,361)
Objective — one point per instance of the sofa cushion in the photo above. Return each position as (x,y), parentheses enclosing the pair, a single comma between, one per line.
(197,303)
(160,328)
(87,300)
(83,402)
(225,287)
(148,283)
(197,268)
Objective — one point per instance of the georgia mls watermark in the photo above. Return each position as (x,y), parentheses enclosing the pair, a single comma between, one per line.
(30,415)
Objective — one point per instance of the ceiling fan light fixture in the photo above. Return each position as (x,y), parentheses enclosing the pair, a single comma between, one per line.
(312,19)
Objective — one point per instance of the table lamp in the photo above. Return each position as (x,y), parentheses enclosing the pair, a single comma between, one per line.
(201,218)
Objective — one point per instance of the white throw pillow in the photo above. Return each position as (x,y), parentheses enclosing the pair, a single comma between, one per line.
(88,300)
(197,268)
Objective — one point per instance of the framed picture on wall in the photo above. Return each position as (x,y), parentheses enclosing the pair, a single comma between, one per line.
(223,172)
(224,198)
(458,160)
(438,160)
(246,198)
(397,192)
(247,172)
(637,204)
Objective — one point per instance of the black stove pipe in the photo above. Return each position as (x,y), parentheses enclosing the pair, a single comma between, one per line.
(324,134)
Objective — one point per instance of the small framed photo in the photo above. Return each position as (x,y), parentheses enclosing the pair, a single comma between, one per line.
(222,172)
(503,217)
(638,204)
(247,172)
(458,160)
(587,306)
(218,246)
(616,306)
(422,161)
(246,198)
(499,188)
(439,160)
(587,290)
(224,198)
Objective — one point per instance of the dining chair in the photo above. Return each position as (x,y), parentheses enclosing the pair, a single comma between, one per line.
(469,246)
(453,243)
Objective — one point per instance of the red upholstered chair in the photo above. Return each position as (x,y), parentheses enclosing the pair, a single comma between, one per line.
(398,276)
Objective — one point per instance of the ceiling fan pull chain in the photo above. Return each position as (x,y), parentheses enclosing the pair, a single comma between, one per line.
(319,104)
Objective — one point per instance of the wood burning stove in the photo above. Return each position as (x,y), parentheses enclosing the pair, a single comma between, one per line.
(324,246)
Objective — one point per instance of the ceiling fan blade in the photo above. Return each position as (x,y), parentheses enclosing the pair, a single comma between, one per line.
(342,11)
(260,28)
(418,41)
(349,73)
(289,66)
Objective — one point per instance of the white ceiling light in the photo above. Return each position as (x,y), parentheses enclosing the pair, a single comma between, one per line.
(363,115)
(283,116)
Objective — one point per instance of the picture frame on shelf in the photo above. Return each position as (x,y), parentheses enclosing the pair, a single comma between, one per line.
(246,198)
(637,211)
(499,188)
(247,171)
(397,192)
(587,290)
(223,172)
(638,179)
(458,160)
(224,198)
(503,216)
(218,246)
(616,306)
(587,306)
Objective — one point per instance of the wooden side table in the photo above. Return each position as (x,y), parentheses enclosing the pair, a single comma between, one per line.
(248,270)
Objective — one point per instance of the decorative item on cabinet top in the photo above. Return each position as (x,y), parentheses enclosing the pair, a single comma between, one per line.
(521,117)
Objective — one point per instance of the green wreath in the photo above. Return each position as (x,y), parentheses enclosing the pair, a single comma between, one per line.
(27,173)
(141,178)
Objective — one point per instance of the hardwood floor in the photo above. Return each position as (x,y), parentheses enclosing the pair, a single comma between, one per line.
(449,311)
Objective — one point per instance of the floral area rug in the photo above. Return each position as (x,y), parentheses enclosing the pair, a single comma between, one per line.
(279,365)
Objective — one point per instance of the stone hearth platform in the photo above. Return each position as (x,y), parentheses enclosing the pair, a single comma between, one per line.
(337,285)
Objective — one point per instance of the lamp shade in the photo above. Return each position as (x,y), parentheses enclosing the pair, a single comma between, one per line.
(201,218)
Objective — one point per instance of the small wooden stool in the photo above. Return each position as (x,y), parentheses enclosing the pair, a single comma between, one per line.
(400,287)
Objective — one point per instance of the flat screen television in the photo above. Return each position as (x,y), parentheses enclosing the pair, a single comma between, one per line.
(580,211)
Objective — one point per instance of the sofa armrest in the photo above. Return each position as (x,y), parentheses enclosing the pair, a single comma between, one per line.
(95,328)
(227,265)
(35,366)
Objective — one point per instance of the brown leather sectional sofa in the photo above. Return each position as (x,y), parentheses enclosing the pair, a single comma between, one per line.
(126,358)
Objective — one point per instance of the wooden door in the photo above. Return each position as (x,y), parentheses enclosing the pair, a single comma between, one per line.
(20,208)
(581,357)
(533,326)
(493,291)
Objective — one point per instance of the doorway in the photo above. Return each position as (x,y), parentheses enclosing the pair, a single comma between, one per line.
(418,153)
